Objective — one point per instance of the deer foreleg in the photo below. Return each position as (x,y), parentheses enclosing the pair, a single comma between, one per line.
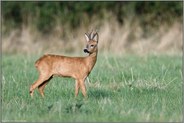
(77,86)
(83,87)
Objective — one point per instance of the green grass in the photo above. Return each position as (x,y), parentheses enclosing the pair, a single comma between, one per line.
(122,88)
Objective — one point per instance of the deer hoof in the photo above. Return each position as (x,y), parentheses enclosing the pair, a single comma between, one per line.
(31,93)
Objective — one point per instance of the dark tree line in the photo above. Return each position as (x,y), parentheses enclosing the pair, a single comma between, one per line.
(45,15)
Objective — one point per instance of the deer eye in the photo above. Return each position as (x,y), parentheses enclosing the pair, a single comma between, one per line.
(92,46)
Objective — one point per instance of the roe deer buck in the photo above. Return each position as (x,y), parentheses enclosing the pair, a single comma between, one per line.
(75,67)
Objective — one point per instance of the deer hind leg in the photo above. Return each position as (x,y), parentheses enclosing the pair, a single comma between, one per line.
(41,79)
(42,86)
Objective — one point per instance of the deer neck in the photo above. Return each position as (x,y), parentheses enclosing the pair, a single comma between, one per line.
(91,60)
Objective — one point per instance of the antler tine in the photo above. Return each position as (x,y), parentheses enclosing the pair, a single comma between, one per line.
(91,34)
(95,33)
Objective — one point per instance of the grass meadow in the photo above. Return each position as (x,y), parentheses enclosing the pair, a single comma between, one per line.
(122,88)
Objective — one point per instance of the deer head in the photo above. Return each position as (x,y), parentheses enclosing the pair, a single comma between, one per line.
(92,42)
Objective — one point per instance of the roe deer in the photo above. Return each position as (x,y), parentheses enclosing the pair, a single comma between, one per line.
(75,67)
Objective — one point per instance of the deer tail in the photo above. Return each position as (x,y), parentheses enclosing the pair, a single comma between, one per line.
(39,60)
(36,63)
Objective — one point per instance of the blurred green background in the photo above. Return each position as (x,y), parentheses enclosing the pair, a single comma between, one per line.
(40,24)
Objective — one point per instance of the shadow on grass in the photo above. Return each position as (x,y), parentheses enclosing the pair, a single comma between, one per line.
(99,93)
(78,106)
(67,107)
(74,107)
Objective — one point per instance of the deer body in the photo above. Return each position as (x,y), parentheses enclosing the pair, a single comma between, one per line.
(78,68)
(75,67)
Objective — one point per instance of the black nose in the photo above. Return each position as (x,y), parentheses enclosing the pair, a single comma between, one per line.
(86,51)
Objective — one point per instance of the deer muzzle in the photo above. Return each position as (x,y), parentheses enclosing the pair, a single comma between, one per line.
(86,51)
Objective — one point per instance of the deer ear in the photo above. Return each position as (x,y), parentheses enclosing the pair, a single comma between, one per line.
(95,37)
(87,38)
